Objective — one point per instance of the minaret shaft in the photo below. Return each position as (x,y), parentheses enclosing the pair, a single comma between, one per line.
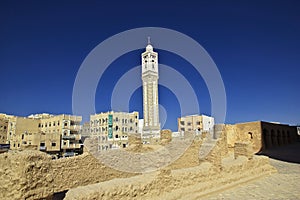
(150,77)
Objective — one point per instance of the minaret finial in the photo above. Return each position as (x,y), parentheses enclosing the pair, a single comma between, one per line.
(149,42)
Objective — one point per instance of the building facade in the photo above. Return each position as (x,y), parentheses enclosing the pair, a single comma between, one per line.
(151,127)
(197,123)
(3,130)
(113,128)
(54,134)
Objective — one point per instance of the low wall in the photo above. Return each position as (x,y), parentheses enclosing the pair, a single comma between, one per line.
(33,175)
(188,183)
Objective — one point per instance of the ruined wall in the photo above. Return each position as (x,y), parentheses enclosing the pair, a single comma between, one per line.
(25,175)
(81,170)
(261,135)
(275,135)
(243,149)
(32,174)
(250,132)
(190,158)
(188,183)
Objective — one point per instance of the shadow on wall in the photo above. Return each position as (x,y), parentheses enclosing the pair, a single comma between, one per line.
(288,153)
(280,142)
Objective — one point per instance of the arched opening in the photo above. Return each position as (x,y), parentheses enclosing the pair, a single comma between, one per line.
(283,138)
(279,138)
(273,138)
(265,144)
(289,137)
(250,135)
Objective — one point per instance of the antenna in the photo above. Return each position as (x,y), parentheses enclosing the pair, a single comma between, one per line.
(149,42)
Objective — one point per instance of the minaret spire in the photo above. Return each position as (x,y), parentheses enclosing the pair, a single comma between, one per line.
(149,42)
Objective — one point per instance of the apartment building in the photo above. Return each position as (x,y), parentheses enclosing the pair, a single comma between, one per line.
(3,130)
(197,123)
(112,128)
(85,130)
(55,134)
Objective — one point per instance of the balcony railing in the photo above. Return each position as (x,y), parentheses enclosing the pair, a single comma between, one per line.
(71,146)
(43,148)
(71,137)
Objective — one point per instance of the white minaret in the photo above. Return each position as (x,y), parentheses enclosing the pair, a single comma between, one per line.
(151,126)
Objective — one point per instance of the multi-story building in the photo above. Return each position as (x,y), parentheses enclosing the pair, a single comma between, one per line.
(3,130)
(112,128)
(197,123)
(54,134)
(85,129)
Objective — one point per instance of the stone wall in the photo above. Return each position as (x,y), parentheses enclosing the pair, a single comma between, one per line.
(261,135)
(32,174)
(25,175)
(243,149)
(188,183)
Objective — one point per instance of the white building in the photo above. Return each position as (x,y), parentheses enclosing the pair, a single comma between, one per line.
(151,127)
(112,128)
(197,123)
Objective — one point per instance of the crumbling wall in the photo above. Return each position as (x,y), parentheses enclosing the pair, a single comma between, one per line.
(190,156)
(219,151)
(188,183)
(243,149)
(32,174)
(165,136)
(25,175)
(81,170)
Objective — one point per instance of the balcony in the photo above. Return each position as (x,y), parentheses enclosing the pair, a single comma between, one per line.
(43,148)
(71,137)
(71,146)
(75,127)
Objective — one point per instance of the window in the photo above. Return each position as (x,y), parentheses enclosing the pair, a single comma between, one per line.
(182,129)
(19,145)
(182,123)
(4,127)
(53,123)
(45,124)
(49,124)
(117,136)
(58,123)
(42,144)
(198,122)
(39,125)
(53,144)
(189,123)
(66,124)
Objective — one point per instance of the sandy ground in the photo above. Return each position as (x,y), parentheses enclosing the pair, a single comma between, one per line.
(283,185)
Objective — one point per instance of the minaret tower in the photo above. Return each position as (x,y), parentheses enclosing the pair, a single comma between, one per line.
(151,126)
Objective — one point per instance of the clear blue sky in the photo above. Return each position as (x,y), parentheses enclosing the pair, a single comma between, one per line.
(255,44)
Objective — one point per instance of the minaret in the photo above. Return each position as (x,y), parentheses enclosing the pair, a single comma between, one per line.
(151,126)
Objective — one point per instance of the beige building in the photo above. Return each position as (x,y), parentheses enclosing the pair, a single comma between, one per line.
(54,134)
(198,123)
(85,129)
(112,128)
(262,135)
(3,130)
